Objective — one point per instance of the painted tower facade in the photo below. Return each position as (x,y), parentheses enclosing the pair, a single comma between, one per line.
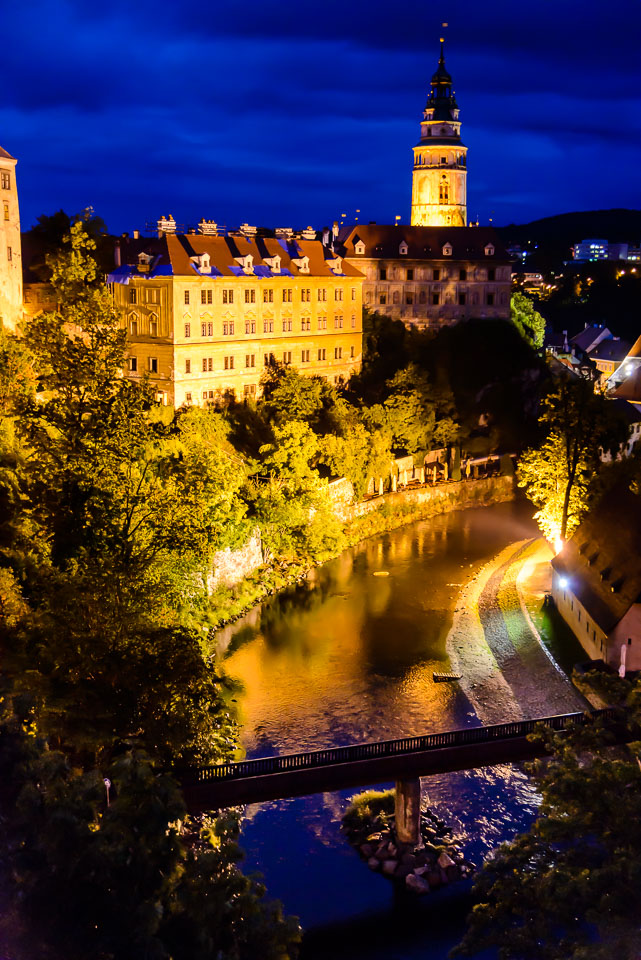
(10,249)
(439,180)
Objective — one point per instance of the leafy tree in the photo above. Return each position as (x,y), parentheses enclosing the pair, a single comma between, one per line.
(289,395)
(560,475)
(569,889)
(529,323)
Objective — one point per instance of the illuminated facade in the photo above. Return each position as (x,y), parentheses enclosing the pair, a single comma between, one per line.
(430,277)
(10,250)
(439,179)
(205,314)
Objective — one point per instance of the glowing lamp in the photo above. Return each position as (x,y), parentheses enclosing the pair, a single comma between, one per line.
(563,582)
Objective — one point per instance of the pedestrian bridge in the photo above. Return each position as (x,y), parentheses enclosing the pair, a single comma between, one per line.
(360,765)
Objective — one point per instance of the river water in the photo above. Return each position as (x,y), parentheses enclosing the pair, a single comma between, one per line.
(348,657)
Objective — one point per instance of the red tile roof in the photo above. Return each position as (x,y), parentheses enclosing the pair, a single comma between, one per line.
(424,243)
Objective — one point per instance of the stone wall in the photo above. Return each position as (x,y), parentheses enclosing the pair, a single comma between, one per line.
(442,496)
(229,567)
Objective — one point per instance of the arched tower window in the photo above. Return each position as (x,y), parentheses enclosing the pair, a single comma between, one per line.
(443,192)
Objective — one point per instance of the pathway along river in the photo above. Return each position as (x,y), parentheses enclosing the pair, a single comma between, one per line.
(348,658)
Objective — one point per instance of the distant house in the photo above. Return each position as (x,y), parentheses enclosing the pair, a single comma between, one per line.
(625,382)
(596,582)
(609,355)
(590,337)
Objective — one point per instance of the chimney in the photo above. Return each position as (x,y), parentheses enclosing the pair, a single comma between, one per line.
(136,234)
(335,229)
(325,236)
(117,257)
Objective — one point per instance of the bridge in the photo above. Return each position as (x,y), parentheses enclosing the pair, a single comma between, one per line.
(359,765)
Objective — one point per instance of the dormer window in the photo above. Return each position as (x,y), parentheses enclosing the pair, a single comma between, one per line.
(144,260)
(335,265)
(359,248)
(246,262)
(202,263)
(302,263)
(447,250)
(273,263)
(489,250)
(402,248)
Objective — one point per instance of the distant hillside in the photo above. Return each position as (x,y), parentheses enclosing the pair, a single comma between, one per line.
(555,235)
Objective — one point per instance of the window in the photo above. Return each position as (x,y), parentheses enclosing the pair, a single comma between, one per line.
(338,353)
(490,299)
(228,296)
(187,297)
(228,328)
(322,323)
(287,295)
(188,397)
(436,274)
(410,273)
(250,359)
(153,364)
(287,326)
(338,294)
(133,295)
(153,328)
(6,211)
(5,180)
(306,324)
(351,352)
(250,326)
(229,363)
(353,293)
(382,273)
(287,356)
(9,253)
(187,331)
(269,358)
(462,299)
(27,296)
(322,354)
(491,273)
(353,321)
(187,366)
(268,326)
(322,294)
(133,328)
(443,192)
(436,297)
(207,329)
(152,296)
(268,296)
(306,295)
(208,364)
(204,394)
(250,296)
(304,356)
(206,296)
(249,389)
(382,298)
(133,364)
(338,323)
(409,298)
(462,274)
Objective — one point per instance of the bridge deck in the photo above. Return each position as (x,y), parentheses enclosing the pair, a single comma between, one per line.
(294,775)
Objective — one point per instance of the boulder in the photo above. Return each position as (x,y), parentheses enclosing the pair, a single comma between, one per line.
(373,863)
(416,884)
(421,871)
(367,850)
(445,861)
(403,870)
(408,858)
(392,849)
(389,867)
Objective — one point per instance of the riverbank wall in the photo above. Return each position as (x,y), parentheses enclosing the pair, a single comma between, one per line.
(246,580)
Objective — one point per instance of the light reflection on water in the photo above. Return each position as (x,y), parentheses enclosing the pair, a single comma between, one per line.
(346,658)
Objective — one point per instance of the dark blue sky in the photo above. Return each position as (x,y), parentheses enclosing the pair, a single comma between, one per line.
(294,113)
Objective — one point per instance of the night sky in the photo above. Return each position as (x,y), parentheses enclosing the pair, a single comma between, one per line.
(288,114)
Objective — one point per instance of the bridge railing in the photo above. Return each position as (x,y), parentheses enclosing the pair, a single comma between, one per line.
(387,748)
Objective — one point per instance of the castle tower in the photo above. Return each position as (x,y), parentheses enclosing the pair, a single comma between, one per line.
(439,180)
(10,249)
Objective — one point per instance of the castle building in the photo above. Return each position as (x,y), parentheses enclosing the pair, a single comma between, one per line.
(439,178)
(10,251)
(430,277)
(205,314)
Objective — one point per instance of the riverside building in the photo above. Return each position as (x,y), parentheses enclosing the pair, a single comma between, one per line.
(10,249)
(205,313)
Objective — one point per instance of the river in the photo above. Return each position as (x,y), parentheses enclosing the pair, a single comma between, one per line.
(348,657)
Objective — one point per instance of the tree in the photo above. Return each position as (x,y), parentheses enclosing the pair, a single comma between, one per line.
(529,323)
(560,475)
(569,889)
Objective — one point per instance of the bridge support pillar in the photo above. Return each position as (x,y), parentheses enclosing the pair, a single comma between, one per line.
(408,810)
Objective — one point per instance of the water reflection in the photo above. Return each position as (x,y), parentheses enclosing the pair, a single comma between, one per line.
(347,657)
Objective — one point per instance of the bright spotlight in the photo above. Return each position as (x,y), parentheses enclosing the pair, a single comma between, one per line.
(563,582)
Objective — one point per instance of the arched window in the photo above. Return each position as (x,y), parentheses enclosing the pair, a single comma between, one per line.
(443,192)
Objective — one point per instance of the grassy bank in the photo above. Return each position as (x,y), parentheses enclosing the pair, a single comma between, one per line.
(227,604)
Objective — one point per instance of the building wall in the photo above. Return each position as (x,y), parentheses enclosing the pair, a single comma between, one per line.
(390,296)
(10,248)
(439,186)
(37,297)
(202,349)
(628,632)
(592,638)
